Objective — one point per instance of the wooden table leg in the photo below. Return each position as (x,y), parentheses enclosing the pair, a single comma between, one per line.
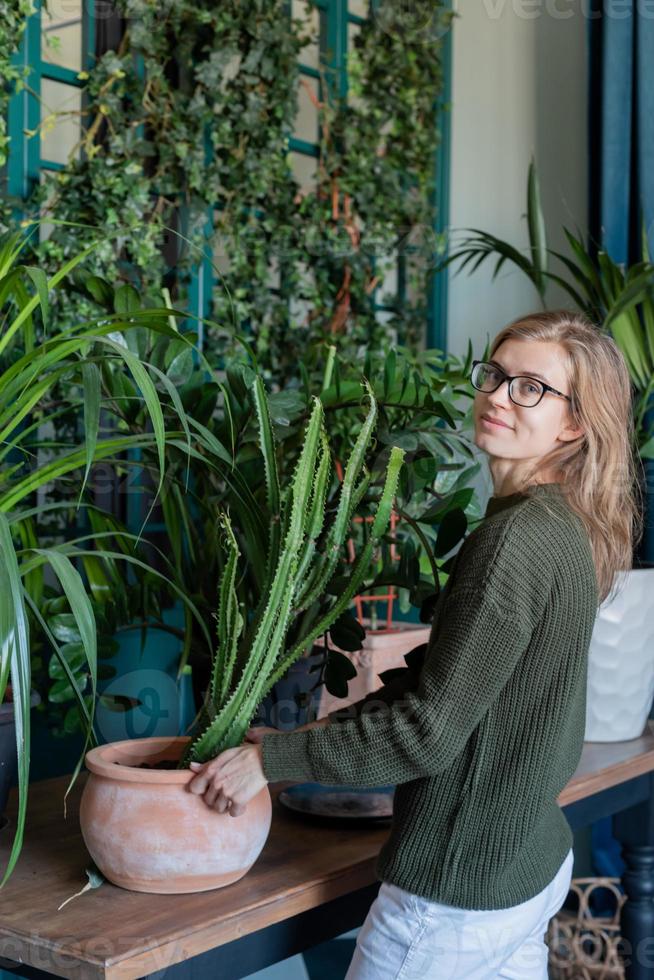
(634,828)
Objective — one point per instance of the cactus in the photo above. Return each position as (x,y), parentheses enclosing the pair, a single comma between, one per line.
(300,566)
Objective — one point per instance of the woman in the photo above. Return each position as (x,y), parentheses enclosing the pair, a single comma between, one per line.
(482,737)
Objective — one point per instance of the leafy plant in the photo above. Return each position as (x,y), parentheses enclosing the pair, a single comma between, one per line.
(186,165)
(33,365)
(620,299)
(13,15)
(415,395)
(301,559)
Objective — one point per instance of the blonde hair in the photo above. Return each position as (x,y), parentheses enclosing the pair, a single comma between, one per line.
(598,470)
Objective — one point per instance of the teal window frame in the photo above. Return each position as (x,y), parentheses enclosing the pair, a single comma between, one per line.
(25,162)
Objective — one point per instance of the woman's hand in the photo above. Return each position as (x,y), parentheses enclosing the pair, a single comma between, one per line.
(231,780)
(234,777)
(257,733)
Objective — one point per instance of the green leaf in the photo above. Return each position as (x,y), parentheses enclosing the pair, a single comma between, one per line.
(347,633)
(72,721)
(95,879)
(15,658)
(647,450)
(338,671)
(536,224)
(286,407)
(80,606)
(75,658)
(27,310)
(389,371)
(62,691)
(126,299)
(460,499)
(452,530)
(91,381)
(40,280)
(100,290)
(181,367)
(64,628)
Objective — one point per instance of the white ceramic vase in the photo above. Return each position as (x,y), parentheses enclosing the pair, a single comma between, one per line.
(620,683)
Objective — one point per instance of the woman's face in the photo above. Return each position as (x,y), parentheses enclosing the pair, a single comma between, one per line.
(528,433)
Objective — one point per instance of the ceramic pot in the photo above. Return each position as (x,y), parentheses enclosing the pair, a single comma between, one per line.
(279,709)
(620,684)
(381,650)
(8,758)
(7,753)
(147,832)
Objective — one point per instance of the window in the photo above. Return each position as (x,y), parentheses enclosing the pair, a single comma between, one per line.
(45,119)
(334,25)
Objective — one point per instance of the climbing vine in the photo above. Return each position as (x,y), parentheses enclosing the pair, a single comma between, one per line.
(13,16)
(186,130)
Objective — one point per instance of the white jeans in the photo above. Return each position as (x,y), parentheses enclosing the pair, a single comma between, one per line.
(407,937)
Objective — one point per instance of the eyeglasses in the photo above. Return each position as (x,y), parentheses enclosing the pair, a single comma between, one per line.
(523,390)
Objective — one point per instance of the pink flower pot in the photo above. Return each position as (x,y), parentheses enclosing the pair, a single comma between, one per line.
(147,832)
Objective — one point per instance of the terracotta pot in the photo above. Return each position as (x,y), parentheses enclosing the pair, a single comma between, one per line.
(147,832)
(380,651)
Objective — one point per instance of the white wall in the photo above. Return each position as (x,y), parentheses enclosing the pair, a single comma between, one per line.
(518,88)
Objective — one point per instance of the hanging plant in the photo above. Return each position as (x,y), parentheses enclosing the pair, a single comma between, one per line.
(187,128)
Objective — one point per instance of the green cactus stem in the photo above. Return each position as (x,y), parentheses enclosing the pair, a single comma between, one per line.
(300,566)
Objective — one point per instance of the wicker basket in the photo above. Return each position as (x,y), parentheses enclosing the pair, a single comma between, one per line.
(583,946)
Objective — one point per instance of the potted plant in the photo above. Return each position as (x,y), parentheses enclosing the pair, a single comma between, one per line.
(34,365)
(415,395)
(8,755)
(142,827)
(621,300)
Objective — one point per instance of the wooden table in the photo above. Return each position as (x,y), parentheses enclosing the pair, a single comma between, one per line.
(313,880)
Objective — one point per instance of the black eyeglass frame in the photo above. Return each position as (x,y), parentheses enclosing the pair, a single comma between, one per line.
(511,378)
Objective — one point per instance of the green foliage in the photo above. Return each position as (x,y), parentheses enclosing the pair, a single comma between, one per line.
(13,14)
(300,564)
(230,471)
(188,127)
(280,559)
(619,299)
(42,376)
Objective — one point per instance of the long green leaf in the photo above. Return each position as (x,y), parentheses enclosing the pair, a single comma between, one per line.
(91,380)
(29,308)
(536,225)
(15,653)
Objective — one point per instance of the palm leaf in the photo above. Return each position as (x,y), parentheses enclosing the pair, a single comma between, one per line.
(536,226)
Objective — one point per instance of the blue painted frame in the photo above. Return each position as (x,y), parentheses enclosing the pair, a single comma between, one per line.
(25,162)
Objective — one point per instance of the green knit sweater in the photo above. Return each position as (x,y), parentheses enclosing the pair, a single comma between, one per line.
(483,736)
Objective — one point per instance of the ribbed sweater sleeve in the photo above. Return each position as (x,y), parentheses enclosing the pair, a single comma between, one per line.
(484,625)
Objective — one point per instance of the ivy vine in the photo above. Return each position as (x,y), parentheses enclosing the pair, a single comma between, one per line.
(187,127)
(13,17)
